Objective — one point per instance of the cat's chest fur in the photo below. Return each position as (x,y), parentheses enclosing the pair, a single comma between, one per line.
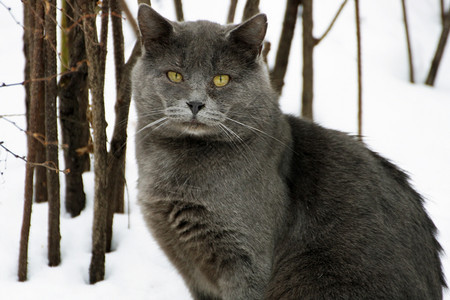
(209,203)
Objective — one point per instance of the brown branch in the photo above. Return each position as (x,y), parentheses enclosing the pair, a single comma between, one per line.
(50,77)
(439,51)
(317,41)
(41,21)
(251,8)
(49,165)
(74,101)
(40,189)
(36,71)
(51,138)
(179,10)
(117,152)
(265,51)
(408,43)
(118,40)
(104,36)
(308,63)
(12,153)
(130,17)
(284,46)
(358,43)
(37,136)
(27,50)
(96,81)
(114,167)
(232,11)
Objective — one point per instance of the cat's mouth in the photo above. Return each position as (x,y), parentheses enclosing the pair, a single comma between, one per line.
(194,124)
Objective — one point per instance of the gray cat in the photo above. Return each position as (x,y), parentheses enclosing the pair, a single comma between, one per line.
(249,203)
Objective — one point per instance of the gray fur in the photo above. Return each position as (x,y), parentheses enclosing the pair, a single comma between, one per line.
(249,203)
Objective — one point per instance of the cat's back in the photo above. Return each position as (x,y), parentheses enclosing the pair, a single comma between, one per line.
(358,230)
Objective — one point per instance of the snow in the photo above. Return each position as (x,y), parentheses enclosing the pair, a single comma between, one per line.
(407,123)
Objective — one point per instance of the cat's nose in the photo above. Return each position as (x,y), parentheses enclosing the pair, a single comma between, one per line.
(195,106)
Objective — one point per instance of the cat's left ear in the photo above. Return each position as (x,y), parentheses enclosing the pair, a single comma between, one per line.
(155,29)
(251,33)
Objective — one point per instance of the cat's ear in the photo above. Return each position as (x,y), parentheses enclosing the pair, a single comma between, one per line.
(154,27)
(251,32)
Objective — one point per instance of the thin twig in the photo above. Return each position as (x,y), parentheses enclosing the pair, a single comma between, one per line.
(232,11)
(72,70)
(130,17)
(439,51)
(251,8)
(408,43)
(37,136)
(47,164)
(284,46)
(317,41)
(179,10)
(11,14)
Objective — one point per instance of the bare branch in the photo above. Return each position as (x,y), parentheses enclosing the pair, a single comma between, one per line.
(442,6)
(73,106)
(408,43)
(50,77)
(116,164)
(130,17)
(308,63)
(11,14)
(47,164)
(51,137)
(284,46)
(439,51)
(179,10)
(232,11)
(36,71)
(37,136)
(358,41)
(317,41)
(96,81)
(265,51)
(251,8)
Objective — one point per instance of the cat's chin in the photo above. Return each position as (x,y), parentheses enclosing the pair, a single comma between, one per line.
(196,128)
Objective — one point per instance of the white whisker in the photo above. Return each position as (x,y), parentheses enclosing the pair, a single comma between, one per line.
(232,133)
(260,131)
(151,124)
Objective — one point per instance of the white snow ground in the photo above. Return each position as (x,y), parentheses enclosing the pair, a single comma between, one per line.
(409,124)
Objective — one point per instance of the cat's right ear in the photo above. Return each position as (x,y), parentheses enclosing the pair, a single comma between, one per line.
(155,29)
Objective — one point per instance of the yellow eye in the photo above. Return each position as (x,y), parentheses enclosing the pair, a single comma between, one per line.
(221,80)
(174,76)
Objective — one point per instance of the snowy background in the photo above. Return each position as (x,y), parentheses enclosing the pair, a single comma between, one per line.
(409,124)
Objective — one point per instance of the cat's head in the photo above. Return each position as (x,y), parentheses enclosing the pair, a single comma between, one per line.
(201,78)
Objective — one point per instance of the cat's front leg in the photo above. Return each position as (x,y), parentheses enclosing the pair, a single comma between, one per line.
(244,279)
(198,295)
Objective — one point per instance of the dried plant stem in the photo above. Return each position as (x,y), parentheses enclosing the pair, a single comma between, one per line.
(284,46)
(251,8)
(408,43)
(232,11)
(358,43)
